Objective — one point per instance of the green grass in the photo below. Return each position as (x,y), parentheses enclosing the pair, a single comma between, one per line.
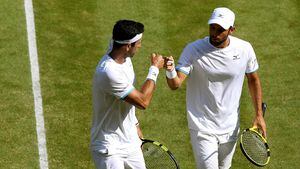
(17,135)
(73,35)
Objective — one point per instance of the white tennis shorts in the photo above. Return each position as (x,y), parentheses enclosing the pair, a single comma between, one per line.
(132,160)
(213,151)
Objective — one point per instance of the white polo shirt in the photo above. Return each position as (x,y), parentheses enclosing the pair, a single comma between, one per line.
(114,121)
(214,84)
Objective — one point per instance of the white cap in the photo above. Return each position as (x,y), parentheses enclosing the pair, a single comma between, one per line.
(223,17)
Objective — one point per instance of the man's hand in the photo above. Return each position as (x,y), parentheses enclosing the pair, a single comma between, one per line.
(169,63)
(157,60)
(259,122)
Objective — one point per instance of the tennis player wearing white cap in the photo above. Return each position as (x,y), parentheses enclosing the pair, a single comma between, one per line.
(216,66)
(115,143)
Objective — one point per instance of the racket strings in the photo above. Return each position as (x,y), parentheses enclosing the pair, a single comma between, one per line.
(255,147)
(157,158)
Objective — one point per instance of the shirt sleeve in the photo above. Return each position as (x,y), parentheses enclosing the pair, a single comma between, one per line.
(252,64)
(185,61)
(117,84)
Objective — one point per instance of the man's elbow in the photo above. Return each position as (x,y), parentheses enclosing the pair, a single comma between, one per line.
(174,86)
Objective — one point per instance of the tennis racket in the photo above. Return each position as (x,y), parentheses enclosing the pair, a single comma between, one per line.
(254,146)
(158,156)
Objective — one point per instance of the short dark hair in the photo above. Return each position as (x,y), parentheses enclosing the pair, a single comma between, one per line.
(126,29)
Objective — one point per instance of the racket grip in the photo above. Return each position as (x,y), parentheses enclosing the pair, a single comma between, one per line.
(264,108)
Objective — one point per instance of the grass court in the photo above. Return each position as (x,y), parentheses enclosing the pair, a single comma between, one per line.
(73,35)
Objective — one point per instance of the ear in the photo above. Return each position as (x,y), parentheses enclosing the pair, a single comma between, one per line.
(231,30)
(128,47)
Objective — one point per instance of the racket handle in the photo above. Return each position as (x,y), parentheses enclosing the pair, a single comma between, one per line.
(264,108)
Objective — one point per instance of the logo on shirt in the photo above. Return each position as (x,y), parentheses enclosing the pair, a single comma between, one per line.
(235,57)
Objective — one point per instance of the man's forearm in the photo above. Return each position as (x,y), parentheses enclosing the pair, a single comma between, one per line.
(176,81)
(173,83)
(255,92)
(147,91)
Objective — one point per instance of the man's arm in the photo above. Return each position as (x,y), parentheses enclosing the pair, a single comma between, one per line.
(174,78)
(256,95)
(141,98)
(176,82)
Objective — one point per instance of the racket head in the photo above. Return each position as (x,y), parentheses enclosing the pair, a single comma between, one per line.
(158,156)
(255,147)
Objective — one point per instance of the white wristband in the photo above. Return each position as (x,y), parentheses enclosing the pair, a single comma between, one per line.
(153,73)
(171,74)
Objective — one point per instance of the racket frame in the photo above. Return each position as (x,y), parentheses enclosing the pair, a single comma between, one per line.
(164,148)
(256,131)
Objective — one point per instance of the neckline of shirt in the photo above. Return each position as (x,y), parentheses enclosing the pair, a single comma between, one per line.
(121,64)
(219,49)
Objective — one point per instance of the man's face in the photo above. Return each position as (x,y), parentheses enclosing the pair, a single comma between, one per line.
(134,48)
(217,34)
